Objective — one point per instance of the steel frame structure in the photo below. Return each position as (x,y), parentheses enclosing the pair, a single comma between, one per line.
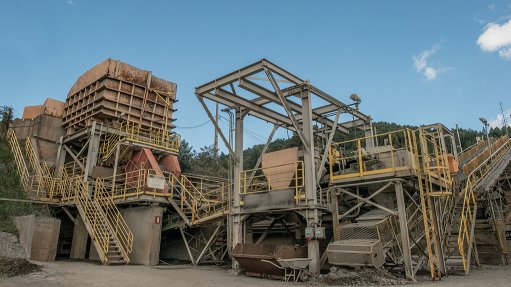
(299,116)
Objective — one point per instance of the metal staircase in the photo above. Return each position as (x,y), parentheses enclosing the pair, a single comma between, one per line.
(482,167)
(109,232)
(19,159)
(434,190)
(194,204)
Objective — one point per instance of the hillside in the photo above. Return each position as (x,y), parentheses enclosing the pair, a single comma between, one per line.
(10,187)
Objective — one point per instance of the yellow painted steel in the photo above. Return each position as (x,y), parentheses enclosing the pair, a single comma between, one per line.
(117,225)
(18,158)
(354,152)
(133,132)
(422,156)
(469,208)
(266,179)
(93,219)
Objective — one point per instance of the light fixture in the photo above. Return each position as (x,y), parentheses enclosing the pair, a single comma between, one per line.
(355,98)
(484,121)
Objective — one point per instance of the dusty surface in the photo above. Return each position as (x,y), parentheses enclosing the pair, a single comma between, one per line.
(363,277)
(16,266)
(10,246)
(62,273)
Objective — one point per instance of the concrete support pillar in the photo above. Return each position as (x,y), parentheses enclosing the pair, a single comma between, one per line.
(238,168)
(403,227)
(310,180)
(79,242)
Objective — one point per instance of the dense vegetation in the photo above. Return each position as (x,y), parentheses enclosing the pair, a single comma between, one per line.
(10,186)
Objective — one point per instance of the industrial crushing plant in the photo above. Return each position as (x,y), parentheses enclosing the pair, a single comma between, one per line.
(106,160)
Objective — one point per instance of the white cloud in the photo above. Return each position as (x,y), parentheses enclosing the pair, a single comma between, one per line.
(505,53)
(498,121)
(422,65)
(71,2)
(496,37)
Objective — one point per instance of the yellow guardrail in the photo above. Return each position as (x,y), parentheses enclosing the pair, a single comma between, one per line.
(469,207)
(356,158)
(201,196)
(433,163)
(473,149)
(92,218)
(277,177)
(116,222)
(159,138)
(133,132)
(483,155)
(18,158)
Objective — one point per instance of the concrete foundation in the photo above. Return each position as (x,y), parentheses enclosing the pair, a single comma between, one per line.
(145,223)
(79,243)
(39,236)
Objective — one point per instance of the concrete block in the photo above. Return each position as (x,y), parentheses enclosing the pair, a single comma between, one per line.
(145,223)
(25,226)
(45,238)
(39,236)
(93,253)
(79,243)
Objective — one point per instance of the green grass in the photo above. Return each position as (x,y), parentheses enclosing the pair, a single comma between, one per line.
(10,187)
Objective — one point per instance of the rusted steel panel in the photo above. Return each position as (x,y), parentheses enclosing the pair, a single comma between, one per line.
(113,90)
(50,107)
(249,257)
(171,164)
(278,167)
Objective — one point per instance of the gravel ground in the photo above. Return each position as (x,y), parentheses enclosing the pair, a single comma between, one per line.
(81,274)
(10,267)
(363,277)
(10,246)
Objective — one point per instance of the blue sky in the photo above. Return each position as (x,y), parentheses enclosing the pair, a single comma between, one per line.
(411,62)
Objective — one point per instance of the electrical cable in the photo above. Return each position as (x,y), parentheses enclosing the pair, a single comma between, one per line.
(193,127)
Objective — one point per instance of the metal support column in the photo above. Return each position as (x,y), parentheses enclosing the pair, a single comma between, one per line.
(403,227)
(334,208)
(92,153)
(310,180)
(61,158)
(238,168)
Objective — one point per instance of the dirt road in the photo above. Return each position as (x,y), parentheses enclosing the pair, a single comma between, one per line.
(62,273)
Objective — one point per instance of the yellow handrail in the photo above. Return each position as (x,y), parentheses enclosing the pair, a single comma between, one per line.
(267,179)
(18,158)
(469,207)
(354,157)
(116,222)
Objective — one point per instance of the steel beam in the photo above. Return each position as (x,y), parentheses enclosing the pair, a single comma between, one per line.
(208,244)
(311,213)
(277,118)
(330,138)
(289,112)
(71,153)
(238,168)
(270,138)
(217,127)
(186,244)
(267,96)
(403,228)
